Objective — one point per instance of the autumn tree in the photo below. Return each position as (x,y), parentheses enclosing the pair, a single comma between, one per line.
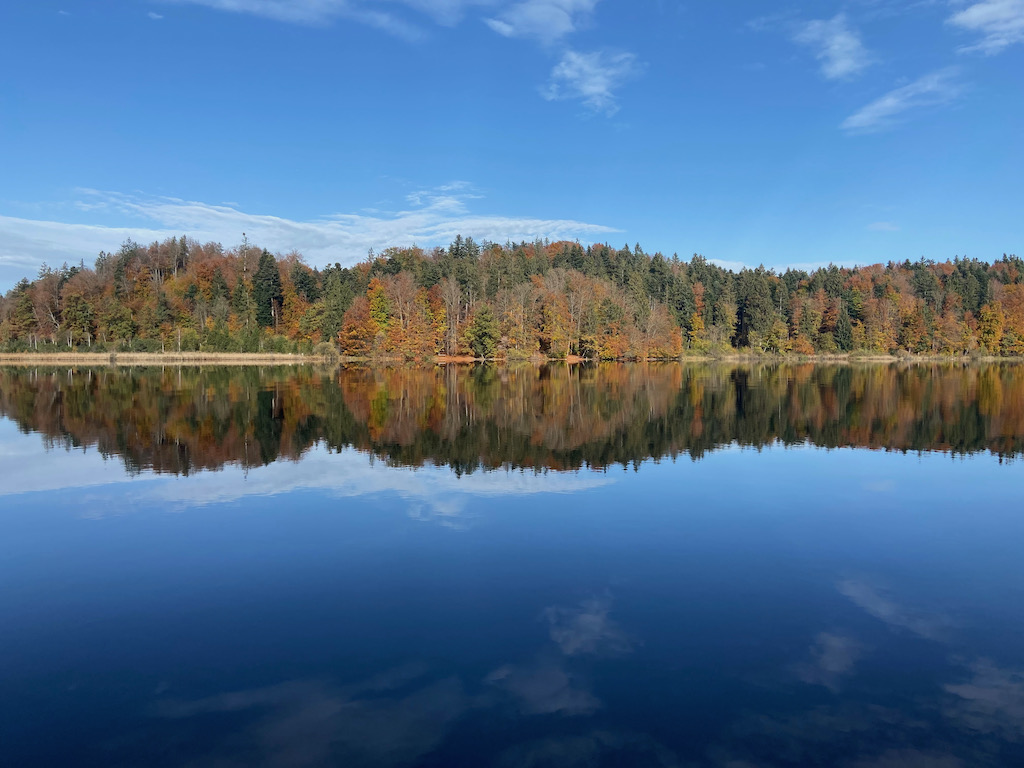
(358,329)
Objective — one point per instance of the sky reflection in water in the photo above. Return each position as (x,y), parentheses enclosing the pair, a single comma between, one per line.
(779,606)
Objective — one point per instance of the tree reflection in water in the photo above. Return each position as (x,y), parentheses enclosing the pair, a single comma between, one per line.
(550,417)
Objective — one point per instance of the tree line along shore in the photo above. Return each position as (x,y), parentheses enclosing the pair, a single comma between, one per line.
(183,300)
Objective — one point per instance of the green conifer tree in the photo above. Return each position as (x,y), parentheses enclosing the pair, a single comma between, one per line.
(266,290)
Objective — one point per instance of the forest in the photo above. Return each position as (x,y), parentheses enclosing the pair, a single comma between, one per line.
(515,301)
(552,416)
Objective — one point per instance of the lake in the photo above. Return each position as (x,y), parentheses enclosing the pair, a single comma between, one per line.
(616,565)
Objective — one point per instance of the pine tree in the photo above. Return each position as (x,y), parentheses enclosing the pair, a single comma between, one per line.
(22,318)
(218,286)
(844,330)
(78,315)
(305,282)
(266,290)
(337,298)
(483,333)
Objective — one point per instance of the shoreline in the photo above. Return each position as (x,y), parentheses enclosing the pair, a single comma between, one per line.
(155,358)
(237,359)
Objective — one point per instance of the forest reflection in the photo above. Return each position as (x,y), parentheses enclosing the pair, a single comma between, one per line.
(558,417)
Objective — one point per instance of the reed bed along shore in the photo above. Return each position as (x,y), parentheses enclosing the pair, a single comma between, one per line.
(275,358)
(155,358)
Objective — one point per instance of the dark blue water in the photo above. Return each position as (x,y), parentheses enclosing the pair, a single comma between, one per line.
(782,606)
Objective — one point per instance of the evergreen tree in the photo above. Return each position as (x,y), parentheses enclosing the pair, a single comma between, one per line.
(483,333)
(218,286)
(78,315)
(305,282)
(163,309)
(23,317)
(240,299)
(758,310)
(266,290)
(181,254)
(844,330)
(337,298)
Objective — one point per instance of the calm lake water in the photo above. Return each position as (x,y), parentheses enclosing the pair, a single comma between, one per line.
(558,566)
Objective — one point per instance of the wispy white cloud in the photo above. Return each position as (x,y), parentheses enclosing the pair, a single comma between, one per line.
(771,21)
(883,226)
(292,11)
(932,90)
(317,12)
(832,657)
(446,12)
(836,45)
(591,78)
(1000,23)
(587,628)
(545,687)
(878,604)
(544,20)
(389,15)
(311,722)
(154,16)
(433,217)
(991,702)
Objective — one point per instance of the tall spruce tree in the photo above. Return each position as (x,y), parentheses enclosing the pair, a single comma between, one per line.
(266,290)
(483,333)
(844,330)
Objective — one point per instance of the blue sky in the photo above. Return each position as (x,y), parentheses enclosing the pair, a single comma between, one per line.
(783,134)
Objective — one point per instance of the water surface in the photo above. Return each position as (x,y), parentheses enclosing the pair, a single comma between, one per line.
(558,566)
